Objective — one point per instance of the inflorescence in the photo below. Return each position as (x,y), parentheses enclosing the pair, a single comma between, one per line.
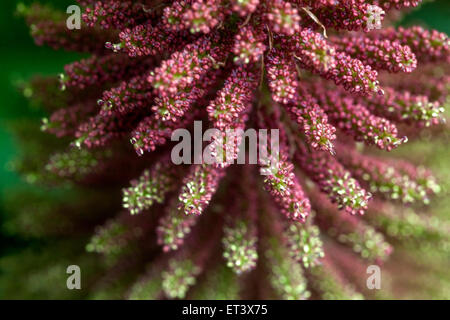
(156,66)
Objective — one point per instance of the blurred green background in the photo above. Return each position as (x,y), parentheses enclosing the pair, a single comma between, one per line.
(20,59)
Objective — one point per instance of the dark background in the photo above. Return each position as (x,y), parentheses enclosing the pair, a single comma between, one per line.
(20,59)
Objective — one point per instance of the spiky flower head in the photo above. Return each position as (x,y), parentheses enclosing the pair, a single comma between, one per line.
(155,68)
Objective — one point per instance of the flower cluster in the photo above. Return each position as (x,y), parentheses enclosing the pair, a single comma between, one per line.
(297,229)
